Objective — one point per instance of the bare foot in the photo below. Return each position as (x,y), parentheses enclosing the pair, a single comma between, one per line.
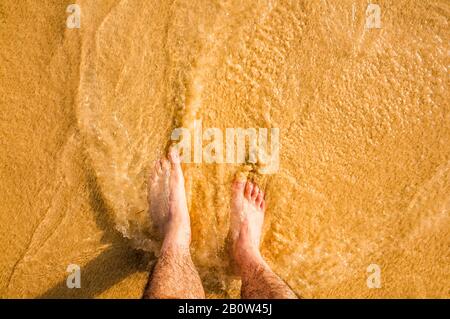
(168,205)
(158,195)
(247,217)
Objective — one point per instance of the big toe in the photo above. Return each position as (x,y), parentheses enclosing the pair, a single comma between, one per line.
(238,187)
(165,166)
(175,161)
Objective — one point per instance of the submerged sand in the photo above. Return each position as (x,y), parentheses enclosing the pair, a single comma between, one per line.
(363,115)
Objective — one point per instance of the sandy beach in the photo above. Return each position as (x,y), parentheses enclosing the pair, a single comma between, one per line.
(364,131)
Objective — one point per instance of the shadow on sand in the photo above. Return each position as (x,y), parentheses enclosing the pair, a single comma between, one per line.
(112,265)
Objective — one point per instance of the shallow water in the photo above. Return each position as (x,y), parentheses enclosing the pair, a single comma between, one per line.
(363,115)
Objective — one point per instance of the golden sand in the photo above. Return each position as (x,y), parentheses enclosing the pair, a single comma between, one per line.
(364,125)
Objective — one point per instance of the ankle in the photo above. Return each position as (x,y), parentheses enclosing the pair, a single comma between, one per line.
(176,237)
(249,259)
(173,246)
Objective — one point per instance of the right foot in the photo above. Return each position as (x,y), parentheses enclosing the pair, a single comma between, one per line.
(247,217)
(168,204)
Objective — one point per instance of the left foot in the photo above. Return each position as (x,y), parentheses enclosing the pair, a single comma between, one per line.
(168,204)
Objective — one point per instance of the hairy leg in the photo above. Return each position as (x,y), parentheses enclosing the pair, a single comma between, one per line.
(247,217)
(174,275)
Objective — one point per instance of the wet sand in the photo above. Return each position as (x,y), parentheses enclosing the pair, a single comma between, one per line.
(363,115)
